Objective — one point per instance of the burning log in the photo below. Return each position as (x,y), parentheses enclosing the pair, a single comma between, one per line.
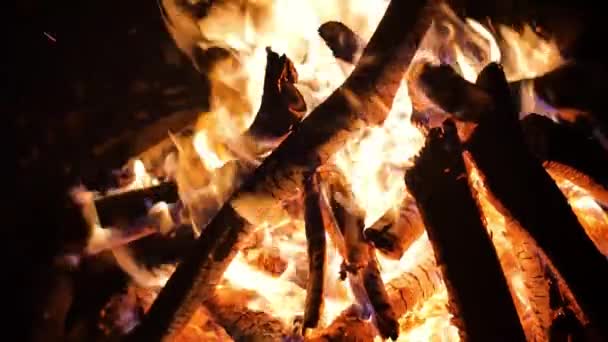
(415,286)
(405,292)
(363,99)
(347,222)
(444,87)
(315,240)
(439,185)
(342,41)
(243,324)
(561,144)
(396,230)
(121,210)
(385,318)
(348,326)
(525,191)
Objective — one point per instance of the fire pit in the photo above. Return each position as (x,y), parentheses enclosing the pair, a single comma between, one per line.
(368,171)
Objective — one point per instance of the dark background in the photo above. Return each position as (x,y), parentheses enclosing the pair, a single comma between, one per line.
(105,76)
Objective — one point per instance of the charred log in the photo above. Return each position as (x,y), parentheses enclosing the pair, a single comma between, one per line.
(385,318)
(527,193)
(243,324)
(561,144)
(315,241)
(342,41)
(123,208)
(438,182)
(413,287)
(374,86)
(396,230)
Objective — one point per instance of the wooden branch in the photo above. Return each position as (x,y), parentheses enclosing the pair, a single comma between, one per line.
(405,292)
(316,248)
(582,157)
(527,193)
(396,230)
(350,325)
(438,182)
(385,318)
(343,42)
(228,308)
(365,98)
(414,286)
(123,208)
(448,90)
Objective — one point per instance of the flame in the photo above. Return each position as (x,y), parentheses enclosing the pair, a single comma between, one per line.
(374,162)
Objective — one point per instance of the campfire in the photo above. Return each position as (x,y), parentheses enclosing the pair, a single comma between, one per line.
(367,170)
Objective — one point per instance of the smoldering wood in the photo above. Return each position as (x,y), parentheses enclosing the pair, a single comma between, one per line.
(316,249)
(385,318)
(243,324)
(282,104)
(348,326)
(373,85)
(570,152)
(439,184)
(523,190)
(405,292)
(396,230)
(445,88)
(414,286)
(342,41)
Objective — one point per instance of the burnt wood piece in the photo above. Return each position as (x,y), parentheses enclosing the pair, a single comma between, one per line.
(359,264)
(282,104)
(445,88)
(396,230)
(413,287)
(228,308)
(124,208)
(385,318)
(525,191)
(462,247)
(405,292)
(342,41)
(372,84)
(572,147)
(316,248)
(349,326)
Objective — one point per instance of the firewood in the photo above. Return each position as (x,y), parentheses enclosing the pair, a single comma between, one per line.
(523,190)
(282,104)
(414,286)
(316,248)
(396,230)
(445,88)
(349,326)
(598,191)
(559,146)
(228,308)
(438,182)
(405,292)
(343,42)
(385,318)
(123,208)
(373,85)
